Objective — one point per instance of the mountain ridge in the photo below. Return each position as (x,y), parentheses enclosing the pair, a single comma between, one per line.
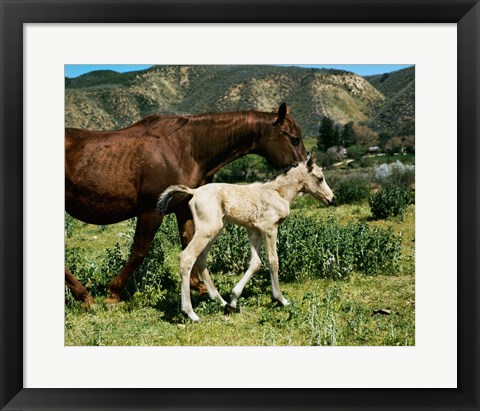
(107,99)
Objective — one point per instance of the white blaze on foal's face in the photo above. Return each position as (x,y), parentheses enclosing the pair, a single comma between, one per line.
(316,185)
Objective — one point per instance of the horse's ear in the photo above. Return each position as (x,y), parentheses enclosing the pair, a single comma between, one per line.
(283,110)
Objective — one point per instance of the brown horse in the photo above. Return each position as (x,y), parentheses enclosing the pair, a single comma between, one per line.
(111,176)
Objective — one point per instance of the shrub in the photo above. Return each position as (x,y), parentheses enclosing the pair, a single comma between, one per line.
(325,159)
(356,152)
(307,248)
(246,169)
(70,225)
(151,281)
(351,190)
(389,201)
(231,251)
(397,174)
(310,248)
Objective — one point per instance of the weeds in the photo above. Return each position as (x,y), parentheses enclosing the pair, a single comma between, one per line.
(334,271)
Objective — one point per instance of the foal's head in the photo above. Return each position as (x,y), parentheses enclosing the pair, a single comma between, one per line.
(315,184)
(281,140)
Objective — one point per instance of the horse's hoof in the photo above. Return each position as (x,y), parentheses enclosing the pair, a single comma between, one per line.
(111,301)
(201,289)
(228,309)
(89,304)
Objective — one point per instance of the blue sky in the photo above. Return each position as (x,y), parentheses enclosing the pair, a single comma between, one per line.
(75,70)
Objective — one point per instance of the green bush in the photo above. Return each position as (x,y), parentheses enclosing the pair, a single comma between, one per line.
(389,201)
(326,249)
(351,190)
(307,248)
(150,282)
(310,248)
(325,159)
(231,250)
(356,152)
(246,169)
(396,174)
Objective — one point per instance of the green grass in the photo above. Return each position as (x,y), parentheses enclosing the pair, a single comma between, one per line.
(309,143)
(323,311)
(404,158)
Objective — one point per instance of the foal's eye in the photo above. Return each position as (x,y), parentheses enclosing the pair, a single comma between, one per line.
(320,179)
(295,141)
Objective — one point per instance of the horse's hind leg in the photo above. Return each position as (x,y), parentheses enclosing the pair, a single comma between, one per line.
(147,226)
(186,229)
(79,292)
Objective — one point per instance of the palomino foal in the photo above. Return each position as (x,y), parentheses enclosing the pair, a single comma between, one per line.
(260,208)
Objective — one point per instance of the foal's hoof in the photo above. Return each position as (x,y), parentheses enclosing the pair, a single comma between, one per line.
(194,317)
(228,309)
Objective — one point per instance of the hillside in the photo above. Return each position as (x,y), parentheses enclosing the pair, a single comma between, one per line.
(397,115)
(108,100)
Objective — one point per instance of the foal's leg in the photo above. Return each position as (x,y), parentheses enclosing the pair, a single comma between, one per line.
(79,292)
(186,230)
(255,263)
(201,264)
(205,234)
(188,258)
(271,248)
(147,225)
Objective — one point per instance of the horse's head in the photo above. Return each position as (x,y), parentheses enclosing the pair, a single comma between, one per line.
(315,184)
(281,142)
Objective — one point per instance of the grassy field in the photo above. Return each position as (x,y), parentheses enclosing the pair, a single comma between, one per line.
(353,308)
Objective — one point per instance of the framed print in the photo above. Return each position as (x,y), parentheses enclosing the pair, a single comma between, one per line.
(438,369)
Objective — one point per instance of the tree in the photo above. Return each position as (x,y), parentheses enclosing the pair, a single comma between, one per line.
(365,136)
(384,137)
(394,145)
(348,135)
(356,152)
(336,136)
(409,144)
(326,136)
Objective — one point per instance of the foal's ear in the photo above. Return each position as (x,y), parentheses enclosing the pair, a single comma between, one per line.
(312,158)
(283,110)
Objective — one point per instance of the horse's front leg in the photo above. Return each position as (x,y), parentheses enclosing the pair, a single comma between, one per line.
(186,229)
(147,225)
(270,238)
(79,292)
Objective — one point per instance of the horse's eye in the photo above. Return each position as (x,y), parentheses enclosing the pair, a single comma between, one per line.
(320,179)
(295,141)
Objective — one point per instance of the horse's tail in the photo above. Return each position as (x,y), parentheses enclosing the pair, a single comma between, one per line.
(167,195)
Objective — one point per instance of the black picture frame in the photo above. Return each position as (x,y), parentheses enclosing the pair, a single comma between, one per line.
(14,13)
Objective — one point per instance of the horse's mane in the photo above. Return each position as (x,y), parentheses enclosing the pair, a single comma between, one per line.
(239,122)
(162,124)
(215,131)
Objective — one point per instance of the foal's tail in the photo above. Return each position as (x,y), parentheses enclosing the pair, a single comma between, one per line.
(167,195)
